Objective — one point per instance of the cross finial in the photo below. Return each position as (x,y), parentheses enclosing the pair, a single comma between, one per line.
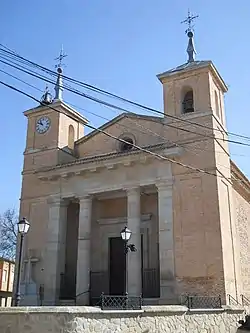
(190,49)
(61,56)
(59,81)
(189,20)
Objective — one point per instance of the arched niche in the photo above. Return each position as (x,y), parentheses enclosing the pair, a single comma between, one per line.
(71,137)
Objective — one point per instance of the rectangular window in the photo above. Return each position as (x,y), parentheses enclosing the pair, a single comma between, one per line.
(5,273)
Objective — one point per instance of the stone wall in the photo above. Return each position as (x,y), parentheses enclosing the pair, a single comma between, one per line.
(164,319)
(242,217)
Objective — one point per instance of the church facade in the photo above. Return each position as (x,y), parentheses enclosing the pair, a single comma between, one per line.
(169,179)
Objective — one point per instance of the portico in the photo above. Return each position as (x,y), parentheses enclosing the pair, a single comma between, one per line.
(146,210)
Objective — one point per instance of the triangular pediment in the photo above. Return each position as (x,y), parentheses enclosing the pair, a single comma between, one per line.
(140,128)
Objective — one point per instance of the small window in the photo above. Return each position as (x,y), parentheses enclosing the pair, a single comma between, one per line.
(127,145)
(71,137)
(217,109)
(188,102)
(5,273)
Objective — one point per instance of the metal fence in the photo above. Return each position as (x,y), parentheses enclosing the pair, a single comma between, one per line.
(201,302)
(125,302)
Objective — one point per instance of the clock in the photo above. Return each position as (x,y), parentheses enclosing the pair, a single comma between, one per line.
(42,125)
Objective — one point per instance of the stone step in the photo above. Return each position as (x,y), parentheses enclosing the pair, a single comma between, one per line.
(66,302)
(150,301)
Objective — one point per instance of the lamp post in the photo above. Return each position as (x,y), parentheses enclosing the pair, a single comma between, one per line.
(23,228)
(126,235)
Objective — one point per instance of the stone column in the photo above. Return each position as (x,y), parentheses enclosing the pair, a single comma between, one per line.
(83,256)
(166,243)
(54,250)
(134,258)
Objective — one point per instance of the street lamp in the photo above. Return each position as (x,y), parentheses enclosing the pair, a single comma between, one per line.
(126,235)
(23,227)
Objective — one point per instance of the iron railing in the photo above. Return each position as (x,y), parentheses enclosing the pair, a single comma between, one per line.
(124,302)
(244,300)
(201,302)
(232,300)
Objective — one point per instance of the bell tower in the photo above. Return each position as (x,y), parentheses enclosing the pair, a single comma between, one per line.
(193,95)
(53,127)
(194,88)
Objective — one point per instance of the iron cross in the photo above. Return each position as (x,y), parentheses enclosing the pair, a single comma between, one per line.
(60,58)
(189,20)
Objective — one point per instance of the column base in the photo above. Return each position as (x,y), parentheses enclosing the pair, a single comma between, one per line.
(50,297)
(168,294)
(83,299)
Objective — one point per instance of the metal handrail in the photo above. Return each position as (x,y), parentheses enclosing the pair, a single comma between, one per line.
(232,300)
(244,299)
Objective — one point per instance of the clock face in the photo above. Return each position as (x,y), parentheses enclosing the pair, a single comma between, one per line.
(42,125)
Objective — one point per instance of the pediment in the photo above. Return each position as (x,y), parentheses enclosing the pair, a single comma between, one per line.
(142,129)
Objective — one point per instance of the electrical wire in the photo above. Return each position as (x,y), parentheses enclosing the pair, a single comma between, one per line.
(159,156)
(93,88)
(192,150)
(117,107)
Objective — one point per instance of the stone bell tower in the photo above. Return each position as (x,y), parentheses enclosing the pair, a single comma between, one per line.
(193,96)
(53,127)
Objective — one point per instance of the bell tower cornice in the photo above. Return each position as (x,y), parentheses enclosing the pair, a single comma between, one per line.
(193,68)
(61,107)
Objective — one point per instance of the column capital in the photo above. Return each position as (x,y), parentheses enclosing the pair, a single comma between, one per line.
(85,197)
(54,200)
(164,184)
(57,201)
(132,189)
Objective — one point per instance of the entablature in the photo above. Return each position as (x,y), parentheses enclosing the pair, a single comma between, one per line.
(107,161)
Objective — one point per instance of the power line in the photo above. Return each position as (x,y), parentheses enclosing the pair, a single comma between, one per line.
(93,88)
(29,72)
(192,150)
(121,140)
(132,121)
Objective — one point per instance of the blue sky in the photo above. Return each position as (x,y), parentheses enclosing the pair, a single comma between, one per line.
(119,46)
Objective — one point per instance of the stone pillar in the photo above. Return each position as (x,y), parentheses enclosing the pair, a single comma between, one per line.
(166,243)
(54,249)
(134,258)
(83,256)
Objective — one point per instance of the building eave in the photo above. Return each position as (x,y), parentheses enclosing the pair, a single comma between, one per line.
(175,72)
(56,105)
(109,161)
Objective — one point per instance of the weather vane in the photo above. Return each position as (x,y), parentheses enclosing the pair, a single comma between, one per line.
(60,58)
(189,20)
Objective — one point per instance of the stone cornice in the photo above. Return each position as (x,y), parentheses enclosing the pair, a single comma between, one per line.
(192,69)
(104,221)
(62,108)
(107,161)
